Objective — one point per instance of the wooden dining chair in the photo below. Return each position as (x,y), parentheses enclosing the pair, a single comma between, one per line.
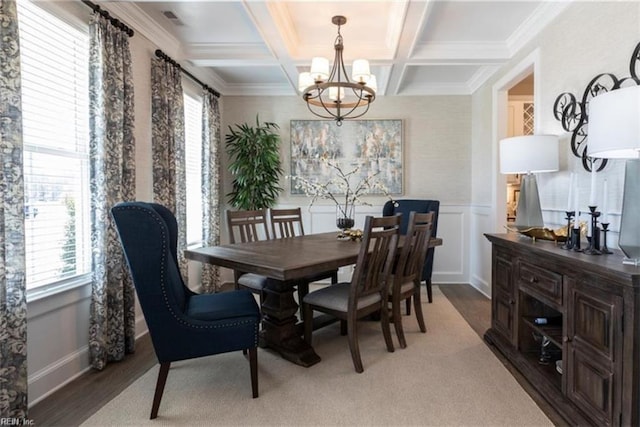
(367,291)
(287,223)
(405,281)
(248,226)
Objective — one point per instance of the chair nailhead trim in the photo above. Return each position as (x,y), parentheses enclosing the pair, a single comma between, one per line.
(162,280)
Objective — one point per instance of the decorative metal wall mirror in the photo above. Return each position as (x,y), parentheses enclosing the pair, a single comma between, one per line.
(574,114)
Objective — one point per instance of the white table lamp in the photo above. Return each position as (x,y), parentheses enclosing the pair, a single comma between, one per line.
(614,133)
(527,155)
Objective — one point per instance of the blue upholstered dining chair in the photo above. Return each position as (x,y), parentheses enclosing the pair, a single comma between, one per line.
(182,324)
(405,207)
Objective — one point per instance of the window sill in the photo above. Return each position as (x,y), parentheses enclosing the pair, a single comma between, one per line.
(55,296)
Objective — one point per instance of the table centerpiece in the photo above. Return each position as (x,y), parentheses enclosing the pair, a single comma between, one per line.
(340,189)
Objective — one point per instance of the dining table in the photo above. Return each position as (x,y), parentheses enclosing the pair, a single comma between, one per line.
(286,263)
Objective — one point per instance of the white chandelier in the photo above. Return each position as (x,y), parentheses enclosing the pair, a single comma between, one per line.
(331,95)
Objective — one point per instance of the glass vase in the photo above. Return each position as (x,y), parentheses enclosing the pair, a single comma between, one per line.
(344,218)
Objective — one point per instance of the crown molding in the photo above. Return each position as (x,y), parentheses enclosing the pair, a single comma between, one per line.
(481,76)
(137,19)
(278,89)
(546,12)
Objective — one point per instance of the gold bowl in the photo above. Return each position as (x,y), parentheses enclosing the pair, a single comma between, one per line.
(557,235)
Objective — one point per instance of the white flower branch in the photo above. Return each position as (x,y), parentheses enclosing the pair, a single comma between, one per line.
(342,182)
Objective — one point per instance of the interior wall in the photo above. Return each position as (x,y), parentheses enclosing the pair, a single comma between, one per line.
(437,139)
(572,50)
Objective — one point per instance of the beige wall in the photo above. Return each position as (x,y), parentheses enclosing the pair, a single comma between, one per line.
(437,139)
(587,39)
(573,49)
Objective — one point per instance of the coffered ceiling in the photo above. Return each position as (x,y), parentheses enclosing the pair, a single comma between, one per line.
(258,47)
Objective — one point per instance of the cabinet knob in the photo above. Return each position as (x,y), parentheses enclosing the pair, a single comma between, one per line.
(566,339)
(533,279)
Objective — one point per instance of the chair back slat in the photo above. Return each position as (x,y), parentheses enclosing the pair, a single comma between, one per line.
(247,226)
(414,249)
(286,223)
(376,257)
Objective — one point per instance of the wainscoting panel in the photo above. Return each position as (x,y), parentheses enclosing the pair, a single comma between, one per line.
(480,263)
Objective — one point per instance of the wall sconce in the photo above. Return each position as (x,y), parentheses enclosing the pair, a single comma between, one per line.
(614,133)
(526,155)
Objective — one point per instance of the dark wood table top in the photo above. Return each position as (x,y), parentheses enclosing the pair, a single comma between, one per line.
(285,259)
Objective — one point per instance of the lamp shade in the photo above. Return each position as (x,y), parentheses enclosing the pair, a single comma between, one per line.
(304,81)
(529,153)
(361,72)
(373,82)
(614,124)
(319,69)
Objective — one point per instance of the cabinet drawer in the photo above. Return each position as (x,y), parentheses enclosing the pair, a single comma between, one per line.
(540,282)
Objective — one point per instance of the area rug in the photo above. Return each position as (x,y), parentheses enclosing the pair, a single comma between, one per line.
(446,377)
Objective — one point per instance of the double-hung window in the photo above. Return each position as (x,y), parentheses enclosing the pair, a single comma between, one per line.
(193,160)
(54,69)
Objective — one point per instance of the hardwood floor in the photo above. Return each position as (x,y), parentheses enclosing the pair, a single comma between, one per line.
(77,401)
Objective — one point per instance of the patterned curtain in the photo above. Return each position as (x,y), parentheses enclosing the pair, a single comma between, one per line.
(167,141)
(210,186)
(13,301)
(112,171)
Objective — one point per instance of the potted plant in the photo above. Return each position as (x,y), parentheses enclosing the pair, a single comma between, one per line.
(255,165)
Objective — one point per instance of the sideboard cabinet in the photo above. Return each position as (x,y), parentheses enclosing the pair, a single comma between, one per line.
(569,322)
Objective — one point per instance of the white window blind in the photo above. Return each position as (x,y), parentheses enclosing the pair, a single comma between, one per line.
(54,60)
(193,159)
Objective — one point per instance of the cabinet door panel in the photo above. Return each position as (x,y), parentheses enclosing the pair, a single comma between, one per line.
(503,301)
(595,315)
(503,275)
(503,315)
(594,350)
(590,386)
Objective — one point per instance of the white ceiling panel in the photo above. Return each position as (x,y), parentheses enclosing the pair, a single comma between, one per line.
(416,47)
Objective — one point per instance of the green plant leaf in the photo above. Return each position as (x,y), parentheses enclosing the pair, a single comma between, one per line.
(255,164)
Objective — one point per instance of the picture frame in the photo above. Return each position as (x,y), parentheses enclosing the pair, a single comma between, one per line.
(370,147)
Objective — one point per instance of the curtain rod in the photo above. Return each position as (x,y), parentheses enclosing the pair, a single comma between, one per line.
(162,55)
(115,22)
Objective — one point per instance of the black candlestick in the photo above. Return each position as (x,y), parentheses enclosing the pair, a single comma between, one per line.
(605,230)
(593,240)
(568,244)
(575,239)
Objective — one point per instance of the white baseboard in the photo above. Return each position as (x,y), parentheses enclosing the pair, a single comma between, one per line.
(47,381)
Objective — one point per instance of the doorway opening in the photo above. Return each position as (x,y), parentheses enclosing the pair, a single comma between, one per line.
(520,122)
